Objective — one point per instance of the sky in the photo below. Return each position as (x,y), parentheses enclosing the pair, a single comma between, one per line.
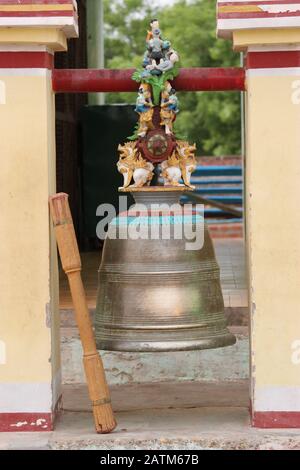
(163,2)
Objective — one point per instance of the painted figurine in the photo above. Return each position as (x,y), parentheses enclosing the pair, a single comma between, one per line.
(171,172)
(125,165)
(187,161)
(159,56)
(144,107)
(143,173)
(169,108)
(171,57)
(180,165)
(156,46)
(154,24)
(132,166)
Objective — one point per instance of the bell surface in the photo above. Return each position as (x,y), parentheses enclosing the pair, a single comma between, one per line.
(155,294)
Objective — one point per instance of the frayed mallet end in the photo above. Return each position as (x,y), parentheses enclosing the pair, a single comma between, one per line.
(104,418)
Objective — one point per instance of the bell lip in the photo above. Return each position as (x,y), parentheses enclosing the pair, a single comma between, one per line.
(157,189)
(227,339)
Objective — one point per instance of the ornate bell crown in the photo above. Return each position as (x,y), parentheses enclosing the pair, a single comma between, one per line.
(157,106)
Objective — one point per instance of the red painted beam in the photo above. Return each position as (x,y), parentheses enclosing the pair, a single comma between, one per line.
(211,79)
(105,80)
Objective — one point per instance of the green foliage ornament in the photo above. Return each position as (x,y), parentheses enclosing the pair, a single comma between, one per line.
(157,82)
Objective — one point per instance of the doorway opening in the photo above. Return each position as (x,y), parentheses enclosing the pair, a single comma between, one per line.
(87,138)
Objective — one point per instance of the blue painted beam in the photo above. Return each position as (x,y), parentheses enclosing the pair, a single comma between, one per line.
(224,199)
(215,181)
(218,171)
(216,190)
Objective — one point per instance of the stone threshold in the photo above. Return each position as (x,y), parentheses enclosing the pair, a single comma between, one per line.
(164,416)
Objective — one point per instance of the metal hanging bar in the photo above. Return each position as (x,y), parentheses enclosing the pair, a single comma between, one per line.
(106,80)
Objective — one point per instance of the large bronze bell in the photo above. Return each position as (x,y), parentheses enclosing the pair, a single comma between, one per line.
(154,295)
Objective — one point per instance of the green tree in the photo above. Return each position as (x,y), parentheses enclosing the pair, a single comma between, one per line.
(212,120)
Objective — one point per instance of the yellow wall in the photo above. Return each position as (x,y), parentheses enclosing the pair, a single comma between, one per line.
(27,177)
(273,224)
(272,197)
(29,316)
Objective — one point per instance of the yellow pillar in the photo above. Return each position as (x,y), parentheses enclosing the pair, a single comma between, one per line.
(270,37)
(29,326)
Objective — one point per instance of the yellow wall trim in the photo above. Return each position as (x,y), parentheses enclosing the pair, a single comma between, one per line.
(51,37)
(239,9)
(52,7)
(245,38)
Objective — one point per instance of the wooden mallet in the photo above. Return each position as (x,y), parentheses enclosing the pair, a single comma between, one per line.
(71,263)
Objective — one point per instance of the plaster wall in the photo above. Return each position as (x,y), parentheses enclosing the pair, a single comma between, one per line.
(273,221)
(28,303)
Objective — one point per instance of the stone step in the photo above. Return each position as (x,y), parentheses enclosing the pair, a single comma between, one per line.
(189,416)
(214,428)
(219,428)
(166,395)
(214,365)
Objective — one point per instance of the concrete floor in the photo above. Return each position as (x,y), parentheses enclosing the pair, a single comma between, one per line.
(231,257)
(186,416)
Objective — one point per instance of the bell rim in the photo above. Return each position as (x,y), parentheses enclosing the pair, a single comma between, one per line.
(213,342)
